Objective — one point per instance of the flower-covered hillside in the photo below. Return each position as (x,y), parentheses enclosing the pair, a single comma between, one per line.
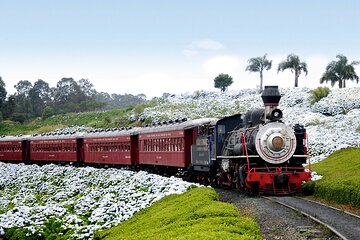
(81,200)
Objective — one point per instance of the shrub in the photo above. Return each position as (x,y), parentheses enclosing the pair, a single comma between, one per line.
(18,117)
(318,93)
(16,233)
(47,112)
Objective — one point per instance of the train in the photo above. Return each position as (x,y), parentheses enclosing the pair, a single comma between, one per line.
(255,151)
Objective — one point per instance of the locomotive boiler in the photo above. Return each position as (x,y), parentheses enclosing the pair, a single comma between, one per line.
(260,152)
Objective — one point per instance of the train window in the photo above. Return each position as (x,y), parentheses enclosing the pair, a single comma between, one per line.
(177,144)
(161,144)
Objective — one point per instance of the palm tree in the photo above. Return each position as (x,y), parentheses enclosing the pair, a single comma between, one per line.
(340,71)
(259,64)
(293,62)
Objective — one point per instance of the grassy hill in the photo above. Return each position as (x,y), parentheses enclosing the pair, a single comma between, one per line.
(196,214)
(106,119)
(97,119)
(341,177)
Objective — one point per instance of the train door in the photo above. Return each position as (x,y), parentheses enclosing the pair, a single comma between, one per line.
(190,138)
(25,146)
(80,150)
(202,151)
(134,149)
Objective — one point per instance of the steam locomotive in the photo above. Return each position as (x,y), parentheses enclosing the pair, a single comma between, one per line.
(256,151)
(260,152)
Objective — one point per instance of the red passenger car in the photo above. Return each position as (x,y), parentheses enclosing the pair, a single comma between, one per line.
(170,145)
(111,147)
(11,148)
(56,148)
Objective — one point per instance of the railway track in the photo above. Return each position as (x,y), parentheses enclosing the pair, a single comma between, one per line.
(343,224)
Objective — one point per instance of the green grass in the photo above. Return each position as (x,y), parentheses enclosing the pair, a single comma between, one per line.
(341,177)
(196,214)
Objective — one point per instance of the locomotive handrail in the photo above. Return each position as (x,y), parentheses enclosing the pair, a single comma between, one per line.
(277,169)
(244,150)
(307,150)
(234,157)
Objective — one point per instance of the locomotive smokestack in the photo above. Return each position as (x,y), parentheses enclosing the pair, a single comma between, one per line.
(271,98)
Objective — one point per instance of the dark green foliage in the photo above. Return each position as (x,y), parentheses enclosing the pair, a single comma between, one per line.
(341,177)
(40,96)
(318,93)
(30,101)
(108,119)
(2,97)
(196,214)
(223,81)
(116,101)
(18,117)
(51,230)
(47,112)
(16,233)
(308,188)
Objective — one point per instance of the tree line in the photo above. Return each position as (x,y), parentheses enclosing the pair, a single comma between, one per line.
(40,100)
(337,71)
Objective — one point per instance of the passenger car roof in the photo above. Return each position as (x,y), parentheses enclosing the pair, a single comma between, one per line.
(175,126)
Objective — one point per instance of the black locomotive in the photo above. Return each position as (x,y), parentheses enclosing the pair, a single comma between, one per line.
(260,152)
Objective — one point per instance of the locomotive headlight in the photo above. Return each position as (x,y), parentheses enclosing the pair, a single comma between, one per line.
(275,142)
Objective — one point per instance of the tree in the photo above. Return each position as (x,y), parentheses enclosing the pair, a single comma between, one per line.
(87,88)
(340,71)
(23,107)
(40,96)
(222,81)
(2,94)
(9,107)
(23,87)
(259,64)
(293,62)
(66,89)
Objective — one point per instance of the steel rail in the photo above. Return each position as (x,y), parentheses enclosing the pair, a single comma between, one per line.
(338,209)
(309,216)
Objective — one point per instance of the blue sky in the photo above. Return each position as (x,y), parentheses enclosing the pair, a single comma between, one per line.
(159,46)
